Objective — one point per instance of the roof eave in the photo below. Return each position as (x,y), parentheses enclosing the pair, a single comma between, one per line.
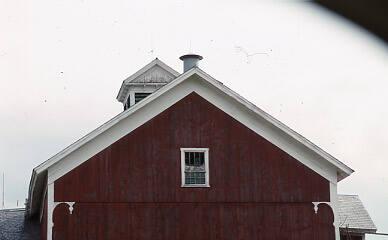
(359,230)
(341,175)
(30,193)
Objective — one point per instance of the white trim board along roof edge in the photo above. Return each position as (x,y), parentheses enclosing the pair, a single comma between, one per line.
(278,129)
(346,171)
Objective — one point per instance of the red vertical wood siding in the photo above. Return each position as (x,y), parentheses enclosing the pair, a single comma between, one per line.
(193,221)
(144,166)
(132,188)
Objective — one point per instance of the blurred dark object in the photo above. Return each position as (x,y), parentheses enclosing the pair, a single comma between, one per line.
(14,226)
(370,14)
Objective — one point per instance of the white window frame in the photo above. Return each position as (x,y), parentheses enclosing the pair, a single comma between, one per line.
(204,150)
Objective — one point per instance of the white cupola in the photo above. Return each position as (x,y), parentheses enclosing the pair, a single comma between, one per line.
(147,80)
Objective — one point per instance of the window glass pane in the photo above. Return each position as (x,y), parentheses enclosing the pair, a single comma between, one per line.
(196,158)
(191,159)
(195,171)
(187,158)
(202,158)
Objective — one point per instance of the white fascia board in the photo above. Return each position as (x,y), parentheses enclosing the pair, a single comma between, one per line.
(344,169)
(267,130)
(116,128)
(31,188)
(45,165)
(156,61)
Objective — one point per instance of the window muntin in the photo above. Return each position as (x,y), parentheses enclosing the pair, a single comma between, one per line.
(195,167)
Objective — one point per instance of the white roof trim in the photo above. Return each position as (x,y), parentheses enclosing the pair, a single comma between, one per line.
(109,124)
(341,169)
(147,67)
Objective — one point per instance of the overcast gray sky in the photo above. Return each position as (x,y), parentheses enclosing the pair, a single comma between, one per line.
(62,64)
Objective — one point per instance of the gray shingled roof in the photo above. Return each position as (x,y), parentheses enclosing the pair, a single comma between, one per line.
(353,216)
(13,226)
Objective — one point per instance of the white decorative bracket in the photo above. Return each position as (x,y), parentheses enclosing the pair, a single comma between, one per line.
(70,204)
(71,208)
(316,205)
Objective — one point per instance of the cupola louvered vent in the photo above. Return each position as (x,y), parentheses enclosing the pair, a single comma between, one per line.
(140,96)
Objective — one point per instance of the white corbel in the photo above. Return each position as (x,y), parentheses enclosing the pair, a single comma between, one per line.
(71,208)
(316,205)
(70,204)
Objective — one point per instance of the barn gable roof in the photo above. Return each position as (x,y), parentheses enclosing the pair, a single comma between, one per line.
(216,93)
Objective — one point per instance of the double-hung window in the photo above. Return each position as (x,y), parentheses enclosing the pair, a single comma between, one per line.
(195,167)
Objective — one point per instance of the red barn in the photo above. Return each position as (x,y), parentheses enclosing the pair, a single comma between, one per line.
(188,158)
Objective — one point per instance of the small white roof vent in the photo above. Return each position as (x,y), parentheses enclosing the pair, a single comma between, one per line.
(190,61)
